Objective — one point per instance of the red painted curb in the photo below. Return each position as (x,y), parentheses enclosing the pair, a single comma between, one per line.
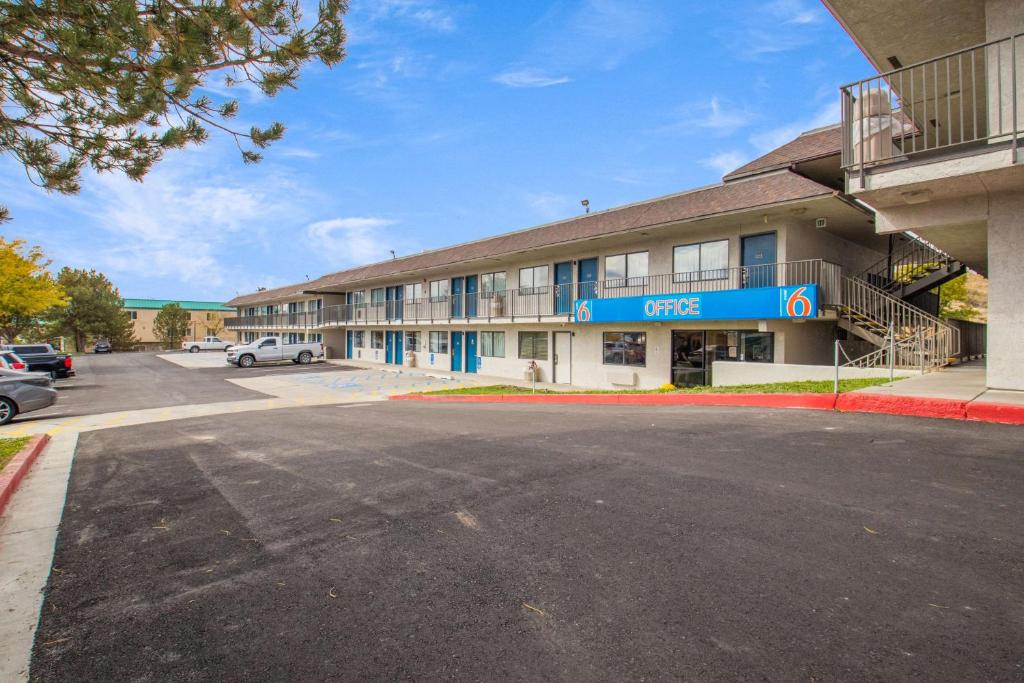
(18,467)
(1005,413)
(915,406)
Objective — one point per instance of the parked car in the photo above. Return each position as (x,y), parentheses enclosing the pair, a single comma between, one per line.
(207,344)
(43,358)
(270,349)
(23,392)
(9,360)
(102,346)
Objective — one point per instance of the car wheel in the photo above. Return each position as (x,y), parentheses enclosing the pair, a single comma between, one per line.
(7,410)
(305,358)
(194,349)
(246,362)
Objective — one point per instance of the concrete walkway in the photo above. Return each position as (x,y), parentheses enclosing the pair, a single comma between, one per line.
(959,383)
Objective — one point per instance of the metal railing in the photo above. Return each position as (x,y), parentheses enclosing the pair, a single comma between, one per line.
(276,321)
(966,97)
(537,303)
(908,261)
(888,317)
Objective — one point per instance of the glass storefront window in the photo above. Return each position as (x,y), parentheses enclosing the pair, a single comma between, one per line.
(625,348)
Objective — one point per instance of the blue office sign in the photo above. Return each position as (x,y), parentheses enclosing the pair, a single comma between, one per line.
(761,303)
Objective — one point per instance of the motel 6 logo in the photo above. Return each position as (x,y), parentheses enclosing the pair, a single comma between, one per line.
(583,312)
(797,304)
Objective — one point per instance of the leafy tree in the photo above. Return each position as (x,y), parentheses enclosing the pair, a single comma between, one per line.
(955,300)
(93,308)
(27,289)
(171,325)
(116,83)
(214,324)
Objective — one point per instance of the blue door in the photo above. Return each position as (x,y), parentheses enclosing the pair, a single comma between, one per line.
(471,352)
(758,260)
(471,297)
(348,344)
(563,288)
(457,351)
(457,297)
(399,351)
(587,278)
(389,347)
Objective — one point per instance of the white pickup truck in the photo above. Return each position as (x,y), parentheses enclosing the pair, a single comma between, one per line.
(208,344)
(271,349)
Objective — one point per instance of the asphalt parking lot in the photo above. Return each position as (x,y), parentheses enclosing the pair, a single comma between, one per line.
(419,541)
(129,381)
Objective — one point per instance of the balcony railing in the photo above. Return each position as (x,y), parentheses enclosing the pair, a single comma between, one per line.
(556,301)
(276,321)
(969,97)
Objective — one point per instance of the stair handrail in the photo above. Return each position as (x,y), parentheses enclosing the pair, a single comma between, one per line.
(885,310)
(913,252)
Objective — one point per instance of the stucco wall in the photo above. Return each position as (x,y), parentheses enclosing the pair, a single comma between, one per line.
(1005,284)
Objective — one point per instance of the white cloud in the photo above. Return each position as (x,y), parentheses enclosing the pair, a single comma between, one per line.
(768,140)
(721,118)
(425,13)
(725,161)
(795,12)
(298,152)
(550,206)
(350,240)
(529,78)
(776,27)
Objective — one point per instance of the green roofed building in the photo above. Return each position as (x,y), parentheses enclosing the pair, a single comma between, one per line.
(206,319)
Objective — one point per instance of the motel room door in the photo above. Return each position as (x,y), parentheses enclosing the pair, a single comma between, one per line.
(471,352)
(389,352)
(456,352)
(563,358)
(587,278)
(758,260)
(348,344)
(563,288)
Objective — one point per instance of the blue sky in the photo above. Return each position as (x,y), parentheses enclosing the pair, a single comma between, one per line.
(450,121)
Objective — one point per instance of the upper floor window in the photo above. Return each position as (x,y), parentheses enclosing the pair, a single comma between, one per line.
(621,270)
(377,296)
(414,292)
(702,261)
(493,283)
(359,298)
(134,315)
(438,290)
(533,280)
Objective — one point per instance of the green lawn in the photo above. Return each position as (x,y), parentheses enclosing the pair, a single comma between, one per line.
(8,447)
(808,387)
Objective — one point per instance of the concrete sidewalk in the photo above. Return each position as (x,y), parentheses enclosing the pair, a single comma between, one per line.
(958,383)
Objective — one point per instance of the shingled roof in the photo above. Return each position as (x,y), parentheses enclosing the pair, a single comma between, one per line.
(760,191)
(814,144)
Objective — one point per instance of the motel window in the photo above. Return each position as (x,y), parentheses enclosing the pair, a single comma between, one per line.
(439,342)
(758,347)
(414,292)
(377,296)
(250,311)
(625,348)
(703,261)
(359,298)
(492,344)
(134,315)
(412,341)
(533,345)
(316,337)
(438,290)
(493,283)
(359,339)
(533,280)
(623,270)
(376,339)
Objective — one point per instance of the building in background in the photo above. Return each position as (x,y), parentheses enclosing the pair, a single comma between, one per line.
(206,318)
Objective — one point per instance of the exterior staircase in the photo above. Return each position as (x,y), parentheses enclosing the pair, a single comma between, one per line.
(874,307)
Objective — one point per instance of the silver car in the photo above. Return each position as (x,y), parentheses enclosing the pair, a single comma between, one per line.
(23,392)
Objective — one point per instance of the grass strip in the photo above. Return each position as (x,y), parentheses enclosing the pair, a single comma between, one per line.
(9,447)
(803,387)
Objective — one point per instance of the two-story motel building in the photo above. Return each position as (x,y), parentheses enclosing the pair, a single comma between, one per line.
(750,271)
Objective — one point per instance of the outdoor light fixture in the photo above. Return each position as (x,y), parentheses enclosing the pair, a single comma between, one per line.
(586,205)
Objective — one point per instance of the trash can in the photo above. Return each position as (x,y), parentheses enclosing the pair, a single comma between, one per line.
(410,359)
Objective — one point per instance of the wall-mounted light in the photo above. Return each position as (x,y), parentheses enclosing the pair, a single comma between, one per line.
(586,205)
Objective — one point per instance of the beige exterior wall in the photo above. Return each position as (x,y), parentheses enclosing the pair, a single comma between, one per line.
(144,318)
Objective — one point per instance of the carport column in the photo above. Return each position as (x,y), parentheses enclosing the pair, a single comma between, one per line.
(1005,283)
(334,343)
